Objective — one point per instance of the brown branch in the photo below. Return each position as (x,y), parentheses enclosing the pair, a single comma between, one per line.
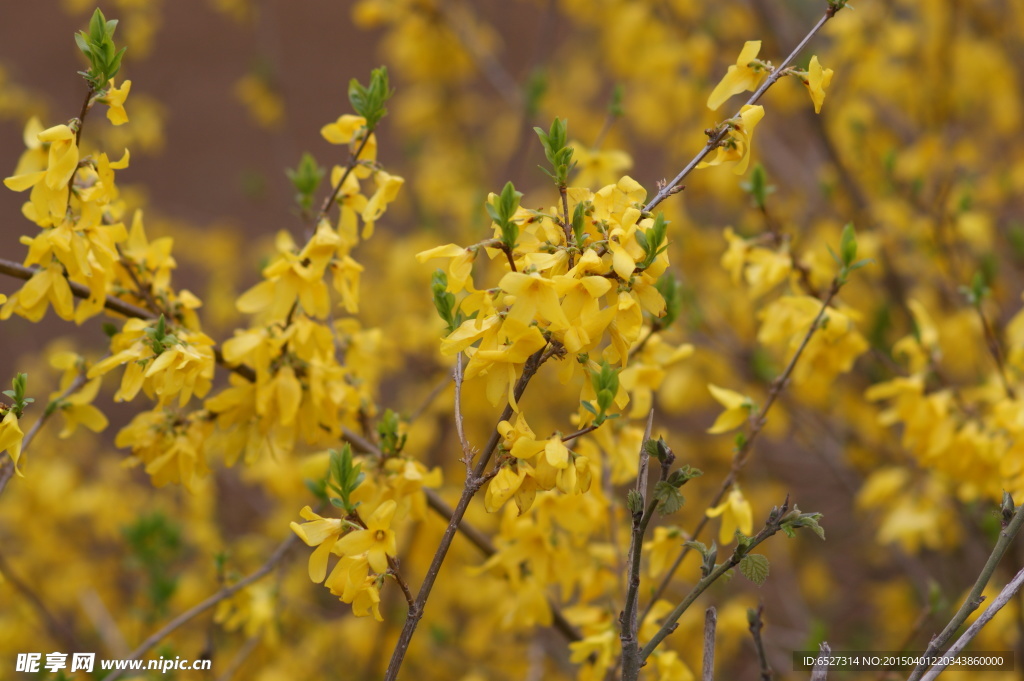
(467,449)
(145,292)
(820,670)
(566,223)
(710,624)
(994,349)
(756,625)
(112,303)
(629,625)
(393,571)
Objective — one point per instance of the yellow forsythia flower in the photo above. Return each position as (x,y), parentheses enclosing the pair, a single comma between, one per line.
(11,437)
(737,409)
(736,145)
(740,76)
(377,541)
(115,102)
(817,80)
(736,514)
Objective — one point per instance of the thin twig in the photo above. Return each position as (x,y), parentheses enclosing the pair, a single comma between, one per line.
(353,161)
(276,557)
(710,623)
(718,137)
(820,670)
(994,349)
(579,433)
(86,105)
(566,223)
(629,626)
(756,625)
(467,449)
(145,292)
(393,571)
(1008,592)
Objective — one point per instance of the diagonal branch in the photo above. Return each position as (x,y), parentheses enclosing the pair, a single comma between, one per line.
(717,138)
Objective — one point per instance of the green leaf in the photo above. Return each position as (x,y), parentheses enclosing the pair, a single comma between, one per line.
(634,502)
(444,301)
(848,245)
(615,104)
(306,178)
(683,475)
(710,556)
(669,498)
(669,289)
(558,155)
(697,546)
(502,210)
(388,427)
(755,567)
(369,101)
(796,520)
(757,186)
(579,215)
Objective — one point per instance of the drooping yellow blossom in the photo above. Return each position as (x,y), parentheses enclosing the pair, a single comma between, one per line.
(817,80)
(502,486)
(11,437)
(47,287)
(115,102)
(743,75)
(319,532)
(48,178)
(77,410)
(349,129)
(737,409)
(388,187)
(736,515)
(460,268)
(736,145)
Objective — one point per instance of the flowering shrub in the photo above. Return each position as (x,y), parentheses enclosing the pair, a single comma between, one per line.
(492,485)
